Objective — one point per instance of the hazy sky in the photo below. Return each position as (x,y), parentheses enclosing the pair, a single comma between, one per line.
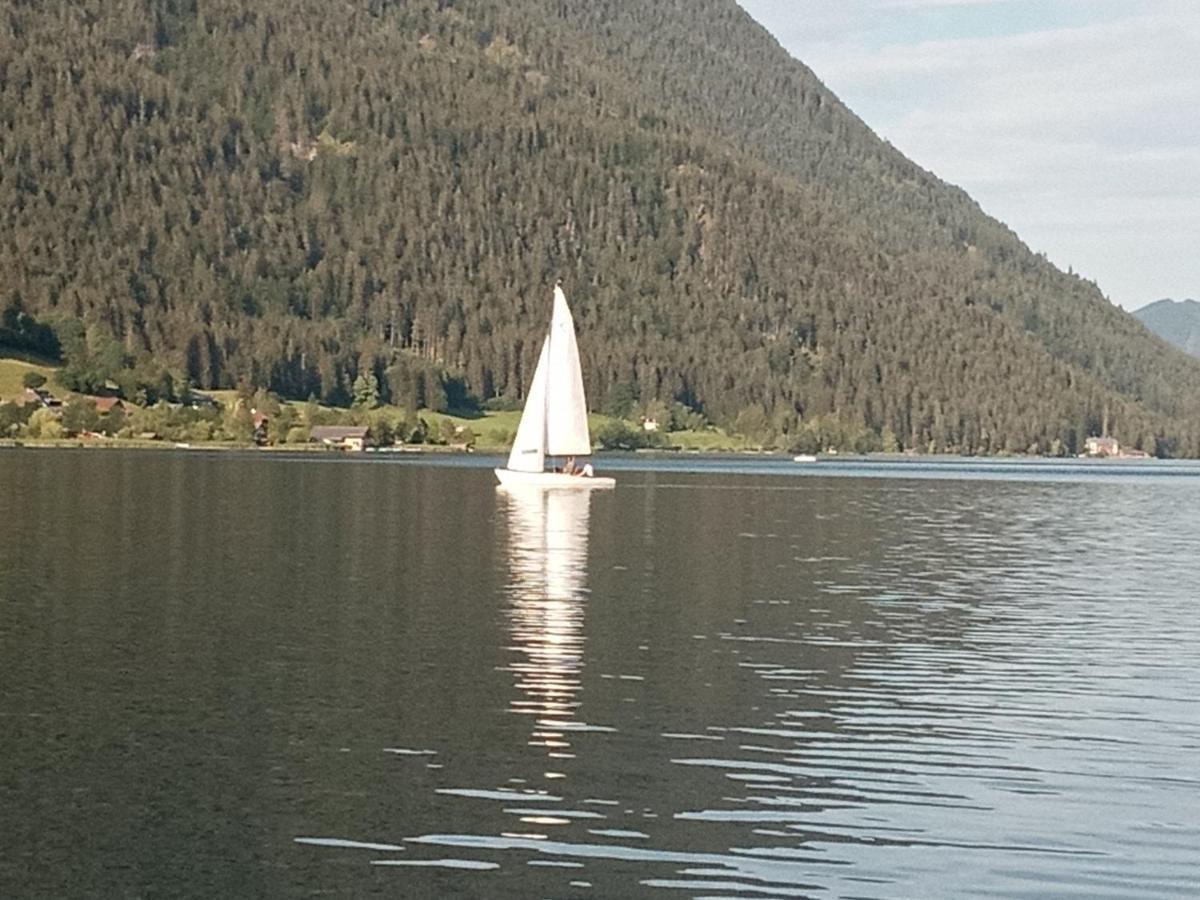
(1075,122)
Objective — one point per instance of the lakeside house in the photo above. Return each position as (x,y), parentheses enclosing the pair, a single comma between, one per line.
(197,400)
(1101,446)
(1108,448)
(343,437)
(105,405)
(40,397)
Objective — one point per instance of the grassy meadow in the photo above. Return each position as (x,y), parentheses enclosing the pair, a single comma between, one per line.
(13,369)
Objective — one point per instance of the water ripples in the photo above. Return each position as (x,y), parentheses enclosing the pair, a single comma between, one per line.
(973,689)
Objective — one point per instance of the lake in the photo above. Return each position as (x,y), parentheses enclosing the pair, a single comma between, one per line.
(257,675)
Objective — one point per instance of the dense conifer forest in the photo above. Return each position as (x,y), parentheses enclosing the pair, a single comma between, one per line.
(291,194)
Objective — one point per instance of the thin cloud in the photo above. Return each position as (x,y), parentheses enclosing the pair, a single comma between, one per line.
(1081,136)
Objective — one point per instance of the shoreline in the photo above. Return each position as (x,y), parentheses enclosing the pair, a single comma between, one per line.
(441,450)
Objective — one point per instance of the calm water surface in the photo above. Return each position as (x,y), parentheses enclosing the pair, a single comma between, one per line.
(227,675)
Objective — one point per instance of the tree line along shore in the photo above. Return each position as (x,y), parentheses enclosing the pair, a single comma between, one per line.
(36,411)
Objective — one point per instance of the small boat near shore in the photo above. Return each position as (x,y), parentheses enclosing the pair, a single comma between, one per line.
(804,458)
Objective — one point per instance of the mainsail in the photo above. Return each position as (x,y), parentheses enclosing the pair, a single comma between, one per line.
(554,421)
(566,407)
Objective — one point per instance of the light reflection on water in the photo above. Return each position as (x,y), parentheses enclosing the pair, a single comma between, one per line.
(697,685)
(547,557)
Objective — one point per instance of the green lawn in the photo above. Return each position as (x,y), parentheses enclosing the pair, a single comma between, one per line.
(494,425)
(13,370)
(708,441)
(494,431)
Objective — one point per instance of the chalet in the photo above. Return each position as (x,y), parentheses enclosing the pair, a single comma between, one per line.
(106,405)
(197,400)
(40,397)
(1101,446)
(344,437)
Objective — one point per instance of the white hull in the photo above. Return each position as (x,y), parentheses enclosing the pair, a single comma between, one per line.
(513,478)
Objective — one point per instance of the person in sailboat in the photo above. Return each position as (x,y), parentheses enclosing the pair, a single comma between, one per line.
(587,471)
(569,466)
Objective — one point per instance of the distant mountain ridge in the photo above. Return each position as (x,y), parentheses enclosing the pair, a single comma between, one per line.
(293,194)
(1177,322)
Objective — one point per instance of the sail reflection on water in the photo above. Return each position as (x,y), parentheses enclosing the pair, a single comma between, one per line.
(547,560)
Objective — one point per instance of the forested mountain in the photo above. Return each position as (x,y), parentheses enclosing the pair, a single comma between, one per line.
(1175,322)
(291,193)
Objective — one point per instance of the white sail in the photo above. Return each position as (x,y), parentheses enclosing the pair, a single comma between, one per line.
(566,406)
(529,447)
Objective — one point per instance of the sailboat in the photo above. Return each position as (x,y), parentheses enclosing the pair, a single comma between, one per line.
(554,421)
